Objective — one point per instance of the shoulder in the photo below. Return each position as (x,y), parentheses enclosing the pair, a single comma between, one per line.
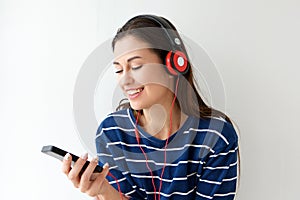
(219,132)
(115,118)
(116,122)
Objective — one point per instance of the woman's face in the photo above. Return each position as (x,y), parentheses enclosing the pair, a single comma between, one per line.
(141,74)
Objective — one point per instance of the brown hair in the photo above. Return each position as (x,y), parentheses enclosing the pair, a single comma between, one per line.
(188,97)
(190,100)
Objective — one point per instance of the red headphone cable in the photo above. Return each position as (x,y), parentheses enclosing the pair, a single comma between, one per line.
(169,134)
(118,184)
(165,148)
(145,155)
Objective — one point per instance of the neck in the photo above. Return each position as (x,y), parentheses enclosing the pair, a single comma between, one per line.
(157,120)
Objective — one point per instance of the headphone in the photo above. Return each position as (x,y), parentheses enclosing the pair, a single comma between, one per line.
(176,61)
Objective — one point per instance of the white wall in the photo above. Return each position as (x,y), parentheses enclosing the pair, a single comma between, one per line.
(254,45)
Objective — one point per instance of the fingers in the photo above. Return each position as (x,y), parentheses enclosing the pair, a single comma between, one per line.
(66,167)
(87,177)
(99,185)
(88,182)
(74,173)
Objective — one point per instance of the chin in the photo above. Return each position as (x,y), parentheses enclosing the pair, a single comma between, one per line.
(138,106)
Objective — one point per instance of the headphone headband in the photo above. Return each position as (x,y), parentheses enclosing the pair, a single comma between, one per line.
(176,60)
(167,28)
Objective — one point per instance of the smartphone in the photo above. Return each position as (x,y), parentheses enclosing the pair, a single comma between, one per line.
(59,154)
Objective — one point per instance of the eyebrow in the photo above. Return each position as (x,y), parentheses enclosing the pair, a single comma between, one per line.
(128,60)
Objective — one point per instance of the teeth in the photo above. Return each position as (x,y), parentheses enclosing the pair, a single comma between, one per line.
(131,92)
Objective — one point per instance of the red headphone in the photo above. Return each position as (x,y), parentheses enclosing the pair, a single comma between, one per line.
(176,61)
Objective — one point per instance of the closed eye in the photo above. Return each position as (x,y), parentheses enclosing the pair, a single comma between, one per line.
(137,67)
(118,71)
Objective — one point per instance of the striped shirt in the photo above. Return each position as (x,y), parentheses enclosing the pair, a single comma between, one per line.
(201,158)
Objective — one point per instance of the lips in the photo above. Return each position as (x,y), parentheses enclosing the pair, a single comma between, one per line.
(134,92)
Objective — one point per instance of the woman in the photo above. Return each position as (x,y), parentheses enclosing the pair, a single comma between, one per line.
(165,143)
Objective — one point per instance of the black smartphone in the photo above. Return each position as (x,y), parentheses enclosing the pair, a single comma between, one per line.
(59,154)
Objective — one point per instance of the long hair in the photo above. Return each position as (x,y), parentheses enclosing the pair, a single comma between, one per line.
(189,97)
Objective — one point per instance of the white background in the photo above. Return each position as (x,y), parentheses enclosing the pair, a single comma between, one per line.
(255,47)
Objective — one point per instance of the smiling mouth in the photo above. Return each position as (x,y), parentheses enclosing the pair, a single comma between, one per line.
(134,91)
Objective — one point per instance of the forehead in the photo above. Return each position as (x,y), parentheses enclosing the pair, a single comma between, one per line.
(129,44)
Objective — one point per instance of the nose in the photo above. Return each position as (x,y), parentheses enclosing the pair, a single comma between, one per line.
(126,78)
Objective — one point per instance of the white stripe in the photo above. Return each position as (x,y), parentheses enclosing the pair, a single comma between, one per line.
(202,195)
(128,114)
(119,158)
(104,154)
(117,127)
(221,167)
(119,180)
(223,195)
(166,164)
(114,167)
(125,173)
(165,180)
(168,195)
(208,130)
(178,193)
(114,128)
(224,154)
(211,182)
(128,193)
(116,115)
(229,179)
(160,149)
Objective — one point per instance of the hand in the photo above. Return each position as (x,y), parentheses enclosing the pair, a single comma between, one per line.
(88,182)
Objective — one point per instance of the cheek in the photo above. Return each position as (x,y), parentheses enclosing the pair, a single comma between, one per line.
(157,92)
(118,80)
(153,74)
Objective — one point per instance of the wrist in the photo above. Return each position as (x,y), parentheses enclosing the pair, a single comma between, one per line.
(110,192)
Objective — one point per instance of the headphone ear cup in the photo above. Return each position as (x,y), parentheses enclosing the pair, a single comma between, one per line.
(176,62)
(169,63)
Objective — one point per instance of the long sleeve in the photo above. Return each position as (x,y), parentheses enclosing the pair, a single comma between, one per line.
(218,176)
(106,156)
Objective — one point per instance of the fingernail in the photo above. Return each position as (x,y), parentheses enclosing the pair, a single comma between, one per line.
(106,165)
(67,156)
(84,156)
(95,159)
